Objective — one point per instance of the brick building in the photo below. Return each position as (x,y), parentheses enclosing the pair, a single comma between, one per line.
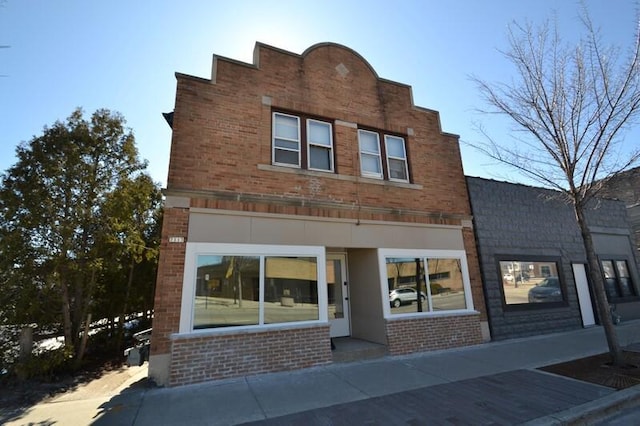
(302,191)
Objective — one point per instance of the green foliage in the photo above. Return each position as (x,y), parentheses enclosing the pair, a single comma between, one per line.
(46,365)
(9,348)
(78,224)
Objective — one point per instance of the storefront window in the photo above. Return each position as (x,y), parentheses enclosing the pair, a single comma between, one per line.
(235,288)
(532,282)
(227,291)
(617,280)
(445,284)
(425,284)
(291,289)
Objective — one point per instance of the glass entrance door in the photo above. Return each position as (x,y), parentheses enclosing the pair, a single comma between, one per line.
(338,295)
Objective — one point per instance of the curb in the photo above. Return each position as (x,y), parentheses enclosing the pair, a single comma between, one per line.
(593,411)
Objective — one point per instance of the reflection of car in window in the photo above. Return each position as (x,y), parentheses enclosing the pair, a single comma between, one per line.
(403,296)
(548,290)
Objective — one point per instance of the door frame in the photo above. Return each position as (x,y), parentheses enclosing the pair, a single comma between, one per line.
(341,327)
(585,302)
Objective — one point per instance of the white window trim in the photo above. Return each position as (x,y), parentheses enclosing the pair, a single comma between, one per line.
(273,141)
(403,159)
(193,250)
(378,154)
(461,255)
(310,144)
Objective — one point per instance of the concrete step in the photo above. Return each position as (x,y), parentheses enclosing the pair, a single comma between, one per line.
(348,349)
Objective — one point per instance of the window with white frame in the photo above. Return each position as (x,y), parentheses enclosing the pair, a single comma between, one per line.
(286,140)
(370,158)
(426,281)
(396,158)
(388,161)
(309,146)
(244,285)
(320,143)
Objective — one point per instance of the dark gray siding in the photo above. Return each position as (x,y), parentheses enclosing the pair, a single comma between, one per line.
(517,220)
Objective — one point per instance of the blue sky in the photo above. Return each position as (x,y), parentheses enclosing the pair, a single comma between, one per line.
(122,55)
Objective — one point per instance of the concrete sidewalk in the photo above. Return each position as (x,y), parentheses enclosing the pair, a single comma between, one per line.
(493,383)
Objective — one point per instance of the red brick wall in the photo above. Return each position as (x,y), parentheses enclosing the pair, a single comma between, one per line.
(405,336)
(168,295)
(222,131)
(222,134)
(212,357)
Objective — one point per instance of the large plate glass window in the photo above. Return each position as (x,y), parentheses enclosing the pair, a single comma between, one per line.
(370,159)
(425,284)
(237,289)
(320,142)
(227,291)
(396,158)
(531,282)
(291,289)
(286,139)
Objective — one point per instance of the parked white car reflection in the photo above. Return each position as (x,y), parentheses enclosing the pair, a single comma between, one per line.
(404,296)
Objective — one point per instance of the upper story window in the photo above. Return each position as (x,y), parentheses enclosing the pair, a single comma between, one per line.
(372,156)
(286,140)
(396,158)
(370,163)
(320,142)
(309,146)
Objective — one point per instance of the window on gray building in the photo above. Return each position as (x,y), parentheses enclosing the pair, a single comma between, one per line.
(617,280)
(530,282)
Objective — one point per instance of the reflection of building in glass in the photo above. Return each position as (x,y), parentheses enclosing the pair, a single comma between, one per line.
(442,279)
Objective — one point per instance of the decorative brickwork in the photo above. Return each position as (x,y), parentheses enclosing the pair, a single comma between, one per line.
(198,359)
(405,336)
(222,136)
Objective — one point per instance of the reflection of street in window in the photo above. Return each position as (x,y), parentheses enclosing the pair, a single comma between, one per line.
(228,289)
(221,312)
(441,302)
(520,294)
(521,281)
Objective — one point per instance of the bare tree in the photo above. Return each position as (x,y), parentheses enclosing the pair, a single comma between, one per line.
(571,105)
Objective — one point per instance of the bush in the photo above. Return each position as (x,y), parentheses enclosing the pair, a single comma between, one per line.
(9,347)
(45,365)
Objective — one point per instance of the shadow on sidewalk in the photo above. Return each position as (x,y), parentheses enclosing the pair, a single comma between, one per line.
(123,407)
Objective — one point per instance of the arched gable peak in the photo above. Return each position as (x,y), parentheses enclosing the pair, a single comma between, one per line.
(325,45)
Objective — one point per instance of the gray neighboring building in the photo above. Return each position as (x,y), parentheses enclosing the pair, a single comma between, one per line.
(626,187)
(533,261)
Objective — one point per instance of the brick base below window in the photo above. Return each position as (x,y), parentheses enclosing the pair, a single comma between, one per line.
(214,357)
(405,336)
